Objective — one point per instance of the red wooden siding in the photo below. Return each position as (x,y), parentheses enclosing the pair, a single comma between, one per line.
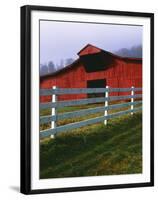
(121,73)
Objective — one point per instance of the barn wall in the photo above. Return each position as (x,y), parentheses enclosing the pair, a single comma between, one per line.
(72,78)
(121,74)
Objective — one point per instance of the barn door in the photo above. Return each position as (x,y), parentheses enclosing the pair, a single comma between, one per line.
(98,83)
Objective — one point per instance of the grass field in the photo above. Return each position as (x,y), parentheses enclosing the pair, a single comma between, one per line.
(77,119)
(94,150)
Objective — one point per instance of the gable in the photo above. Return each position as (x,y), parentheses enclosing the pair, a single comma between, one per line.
(89,49)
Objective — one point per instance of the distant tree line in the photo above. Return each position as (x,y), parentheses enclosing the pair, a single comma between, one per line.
(50,67)
(135,51)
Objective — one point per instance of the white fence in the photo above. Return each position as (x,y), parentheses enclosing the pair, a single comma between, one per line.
(54,117)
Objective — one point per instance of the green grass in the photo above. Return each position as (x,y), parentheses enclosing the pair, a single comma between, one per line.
(77,119)
(95,150)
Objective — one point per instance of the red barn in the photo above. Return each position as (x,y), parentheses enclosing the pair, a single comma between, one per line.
(94,68)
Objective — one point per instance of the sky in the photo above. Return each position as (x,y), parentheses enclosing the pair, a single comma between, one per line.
(62,40)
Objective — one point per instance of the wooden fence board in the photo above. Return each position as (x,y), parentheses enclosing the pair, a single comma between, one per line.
(60,91)
(80,124)
(61,104)
(46,119)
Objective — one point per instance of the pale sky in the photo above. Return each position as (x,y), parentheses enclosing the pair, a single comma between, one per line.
(61,40)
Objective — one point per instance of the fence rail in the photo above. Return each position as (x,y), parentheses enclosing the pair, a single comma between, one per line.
(49,118)
(59,104)
(86,101)
(60,91)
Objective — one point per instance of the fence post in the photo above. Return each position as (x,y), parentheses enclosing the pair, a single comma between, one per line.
(53,123)
(106,104)
(132,100)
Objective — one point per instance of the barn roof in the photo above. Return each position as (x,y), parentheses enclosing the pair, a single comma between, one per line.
(87,50)
(91,49)
(62,70)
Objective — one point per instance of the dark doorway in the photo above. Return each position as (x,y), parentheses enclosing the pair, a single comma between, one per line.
(99,83)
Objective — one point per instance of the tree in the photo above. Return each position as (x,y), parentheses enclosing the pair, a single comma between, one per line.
(51,67)
(43,69)
(135,51)
(61,65)
(69,61)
